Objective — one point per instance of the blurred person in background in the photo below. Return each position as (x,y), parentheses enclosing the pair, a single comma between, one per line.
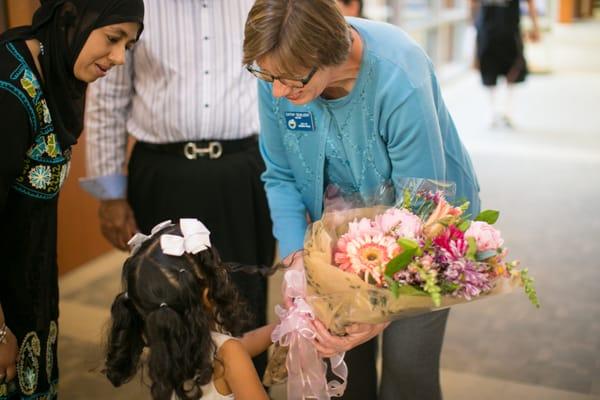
(351,8)
(500,51)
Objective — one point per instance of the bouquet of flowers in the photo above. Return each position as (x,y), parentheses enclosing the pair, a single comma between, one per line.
(375,264)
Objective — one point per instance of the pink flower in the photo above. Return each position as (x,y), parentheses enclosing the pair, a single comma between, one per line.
(365,254)
(400,222)
(452,240)
(426,261)
(485,235)
(362,227)
(443,215)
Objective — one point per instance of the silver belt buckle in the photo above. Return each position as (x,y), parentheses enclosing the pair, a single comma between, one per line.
(214,150)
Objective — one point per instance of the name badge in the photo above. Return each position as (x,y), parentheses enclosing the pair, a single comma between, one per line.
(299,121)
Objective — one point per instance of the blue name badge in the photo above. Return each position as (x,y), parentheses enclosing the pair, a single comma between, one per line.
(299,121)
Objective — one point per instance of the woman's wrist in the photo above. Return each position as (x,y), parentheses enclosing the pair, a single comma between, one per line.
(3,332)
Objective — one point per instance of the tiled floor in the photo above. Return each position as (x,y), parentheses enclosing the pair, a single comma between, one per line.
(541,175)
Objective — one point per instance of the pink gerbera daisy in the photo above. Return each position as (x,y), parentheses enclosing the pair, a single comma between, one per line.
(366,255)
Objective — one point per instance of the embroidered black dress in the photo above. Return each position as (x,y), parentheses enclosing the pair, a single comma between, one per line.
(33,167)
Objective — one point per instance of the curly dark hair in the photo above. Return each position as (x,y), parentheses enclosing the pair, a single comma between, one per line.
(162,306)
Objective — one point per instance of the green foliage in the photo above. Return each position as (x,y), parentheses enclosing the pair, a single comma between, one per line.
(471,249)
(448,287)
(431,286)
(484,255)
(407,290)
(464,206)
(406,203)
(393,286)
(402,260)
(463,226)
(489,216)
(529,288)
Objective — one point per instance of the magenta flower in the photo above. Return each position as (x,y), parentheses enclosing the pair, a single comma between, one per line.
(452,241)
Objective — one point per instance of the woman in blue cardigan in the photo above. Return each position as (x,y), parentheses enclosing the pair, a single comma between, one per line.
(353,103)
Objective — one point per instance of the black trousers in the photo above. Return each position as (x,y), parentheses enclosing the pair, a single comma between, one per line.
(501,55)
(226,194)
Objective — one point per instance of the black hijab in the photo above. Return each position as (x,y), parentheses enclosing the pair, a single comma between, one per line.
(63,27)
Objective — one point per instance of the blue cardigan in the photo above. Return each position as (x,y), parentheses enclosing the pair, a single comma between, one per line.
(393,124)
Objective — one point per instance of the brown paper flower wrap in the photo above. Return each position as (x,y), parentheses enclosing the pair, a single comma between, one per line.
(341,298)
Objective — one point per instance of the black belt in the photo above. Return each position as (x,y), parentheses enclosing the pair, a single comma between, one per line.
(212,149)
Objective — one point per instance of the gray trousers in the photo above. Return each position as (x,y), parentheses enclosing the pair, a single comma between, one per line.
(411,358)
(411,361)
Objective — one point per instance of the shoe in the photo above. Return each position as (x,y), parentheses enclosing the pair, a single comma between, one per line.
(496,122)
(507,122)
(502,122)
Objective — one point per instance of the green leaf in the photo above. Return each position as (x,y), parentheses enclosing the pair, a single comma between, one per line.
(402,260)
(484,255)
(408,243)
(489,216)
(411,291)
(393,285)
(406,199)
(448,287)
(406,290)
(472,249)
(463,226)
(464,206)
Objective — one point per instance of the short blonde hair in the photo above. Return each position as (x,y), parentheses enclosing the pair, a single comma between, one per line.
(296,33)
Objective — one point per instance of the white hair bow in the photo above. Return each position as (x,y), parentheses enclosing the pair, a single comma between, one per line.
(136,241)
(195,238)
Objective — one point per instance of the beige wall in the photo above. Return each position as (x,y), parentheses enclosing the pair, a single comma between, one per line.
(79,237)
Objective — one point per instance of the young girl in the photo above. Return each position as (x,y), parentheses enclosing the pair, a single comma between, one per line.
(44,71)
(179,301)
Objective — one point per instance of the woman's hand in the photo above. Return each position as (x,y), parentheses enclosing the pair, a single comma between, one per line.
(8,358)
(293,259)
(328,345)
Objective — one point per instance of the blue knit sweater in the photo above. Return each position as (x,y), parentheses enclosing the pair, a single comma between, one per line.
(393,124)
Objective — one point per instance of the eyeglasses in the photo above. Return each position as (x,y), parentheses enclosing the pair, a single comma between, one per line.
(295,83)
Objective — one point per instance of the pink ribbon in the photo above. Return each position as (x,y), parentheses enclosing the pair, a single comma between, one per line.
(307,372)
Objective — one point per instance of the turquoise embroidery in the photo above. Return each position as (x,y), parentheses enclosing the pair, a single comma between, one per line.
(46,166)
(40,176)
(38,149)
(23,100)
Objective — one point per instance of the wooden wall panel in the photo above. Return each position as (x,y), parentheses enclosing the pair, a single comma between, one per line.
(3,16)
(566,11)
(20,11)
(79,237)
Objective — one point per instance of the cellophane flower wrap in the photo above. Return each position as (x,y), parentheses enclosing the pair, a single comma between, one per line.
(367,262)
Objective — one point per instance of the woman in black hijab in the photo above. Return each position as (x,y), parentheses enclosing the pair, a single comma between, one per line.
(44,71)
